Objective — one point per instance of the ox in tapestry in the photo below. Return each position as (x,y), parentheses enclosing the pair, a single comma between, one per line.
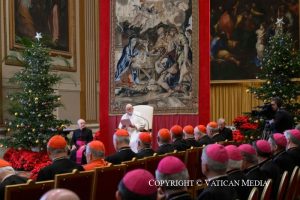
(153,43)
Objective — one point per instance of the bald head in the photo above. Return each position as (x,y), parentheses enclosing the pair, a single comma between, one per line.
(59,194)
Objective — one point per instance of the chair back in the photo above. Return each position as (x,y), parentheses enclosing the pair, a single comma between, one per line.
(79,182)
(192,162)
(298,185)
(283,185)
(107,180)
(180,155)
(254,194)
(292,187)
(146,112)
(226,142)
(152,163)
(135,164)
(31,189)
(266,194)
(200,175)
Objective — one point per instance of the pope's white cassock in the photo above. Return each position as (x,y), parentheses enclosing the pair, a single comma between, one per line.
(139,123)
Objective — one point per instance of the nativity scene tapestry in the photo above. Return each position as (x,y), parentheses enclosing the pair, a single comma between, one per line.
(154,55)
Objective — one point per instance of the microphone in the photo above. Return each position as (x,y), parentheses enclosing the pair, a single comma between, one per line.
(145,120)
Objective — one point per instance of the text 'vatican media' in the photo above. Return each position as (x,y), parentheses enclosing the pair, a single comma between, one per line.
(213,183)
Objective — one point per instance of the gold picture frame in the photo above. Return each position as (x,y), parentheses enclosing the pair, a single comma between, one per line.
(55,21)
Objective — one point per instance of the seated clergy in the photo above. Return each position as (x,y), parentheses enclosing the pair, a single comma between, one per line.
(137,184)
(280,157)
(95,151)
(214,165)
(177,137)
(234,171)
(201,136)
(213,132)
(121,143)
(293,144)
(250,164)
(58,152)
(223,130)
(8,177)
(163,140)
(80,138)
(264,153)
(188,132)
(144,145)
(172,169)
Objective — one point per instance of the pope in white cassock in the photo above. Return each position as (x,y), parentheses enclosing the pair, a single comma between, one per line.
(135,125)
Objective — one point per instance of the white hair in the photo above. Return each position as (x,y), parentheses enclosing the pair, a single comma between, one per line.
(221,121)
(96,153)
(6,169)
(291,138)
(124,139)
(80,120)
(183,175)
(128,106)
(234,164)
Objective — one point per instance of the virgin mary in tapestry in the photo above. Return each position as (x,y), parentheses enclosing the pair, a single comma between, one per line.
(154,55)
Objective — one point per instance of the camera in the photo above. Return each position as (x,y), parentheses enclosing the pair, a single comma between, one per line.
(264,111)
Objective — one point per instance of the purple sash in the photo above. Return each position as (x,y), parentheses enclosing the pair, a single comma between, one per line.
(80,150)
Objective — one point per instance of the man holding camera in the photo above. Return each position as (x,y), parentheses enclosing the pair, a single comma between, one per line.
(283,120)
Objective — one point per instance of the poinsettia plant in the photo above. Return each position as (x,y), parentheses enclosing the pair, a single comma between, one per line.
(247,127)
(27,160)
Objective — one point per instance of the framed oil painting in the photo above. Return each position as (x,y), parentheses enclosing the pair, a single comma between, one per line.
(54,19)
(239,30)
(154,55)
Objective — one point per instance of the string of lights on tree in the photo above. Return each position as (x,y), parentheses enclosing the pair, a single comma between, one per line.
(280,65)
(32,106)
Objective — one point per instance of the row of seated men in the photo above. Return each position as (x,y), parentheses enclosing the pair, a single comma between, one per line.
(260,161)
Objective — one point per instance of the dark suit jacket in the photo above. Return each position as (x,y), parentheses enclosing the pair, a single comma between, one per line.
(215,191)
(84,135)
(295,154)
(165,148)
(273,172)
(237,175)
(59,166)
(283,120)
(191,142)
(218,138)
(226,133)
(284,161)
(254,173)
(145,153)
(205,140)
(11,180)
(124,154)
(180,145)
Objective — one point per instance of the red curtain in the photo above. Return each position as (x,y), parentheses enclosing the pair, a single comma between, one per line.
(108,124)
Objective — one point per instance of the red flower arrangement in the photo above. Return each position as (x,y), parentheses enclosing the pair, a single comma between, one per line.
(245,127)
(27,160)
(238,136)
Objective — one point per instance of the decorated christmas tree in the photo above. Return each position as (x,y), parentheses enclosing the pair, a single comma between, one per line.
(280,65)
(32,107)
